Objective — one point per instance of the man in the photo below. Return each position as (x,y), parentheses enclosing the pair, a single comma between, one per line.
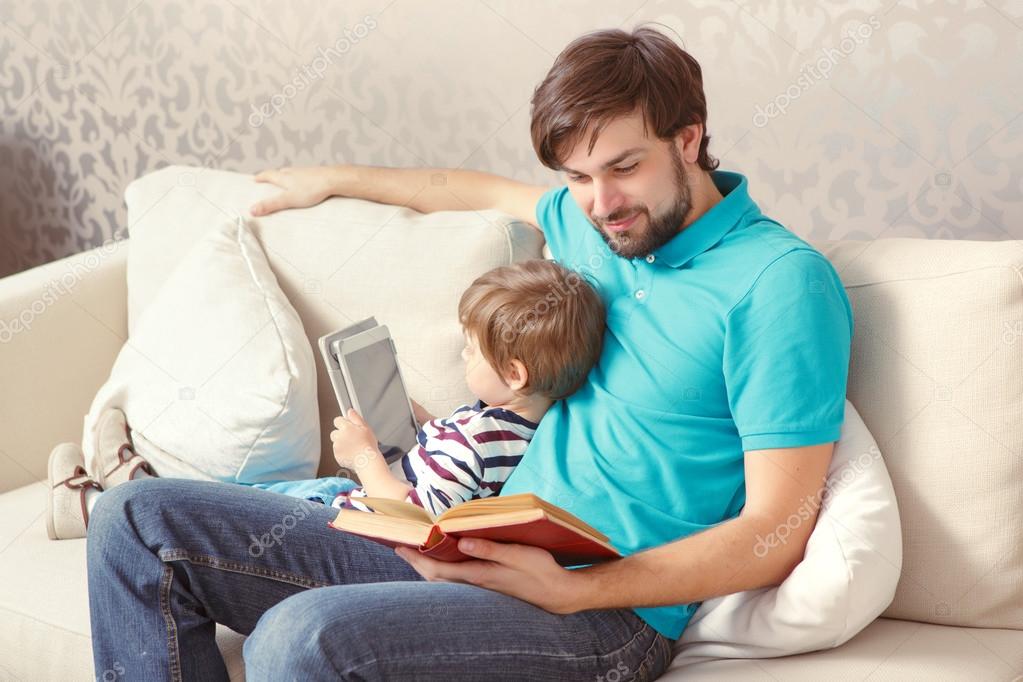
(708,422)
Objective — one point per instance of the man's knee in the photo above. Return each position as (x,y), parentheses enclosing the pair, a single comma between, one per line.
(288,641)
(112,529)
(324,633)
(135,502)
(113,504)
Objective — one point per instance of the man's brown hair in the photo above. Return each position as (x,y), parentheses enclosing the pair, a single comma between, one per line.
(540,313)
(606,74)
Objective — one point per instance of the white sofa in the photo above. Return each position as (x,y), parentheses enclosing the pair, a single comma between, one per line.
(936,373)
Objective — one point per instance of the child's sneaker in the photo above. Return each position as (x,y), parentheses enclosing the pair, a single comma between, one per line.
(116,461)
(67,515)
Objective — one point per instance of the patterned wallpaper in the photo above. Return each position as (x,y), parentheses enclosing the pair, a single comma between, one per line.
(852,120)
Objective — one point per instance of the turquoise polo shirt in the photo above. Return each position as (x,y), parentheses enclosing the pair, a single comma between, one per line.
(732,337)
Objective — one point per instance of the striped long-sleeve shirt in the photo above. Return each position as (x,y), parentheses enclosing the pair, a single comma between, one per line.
(466,456)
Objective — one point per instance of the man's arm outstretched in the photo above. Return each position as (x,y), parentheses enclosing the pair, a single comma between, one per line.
(422,189)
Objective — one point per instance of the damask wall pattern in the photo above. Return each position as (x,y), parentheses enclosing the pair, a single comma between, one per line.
(851,119)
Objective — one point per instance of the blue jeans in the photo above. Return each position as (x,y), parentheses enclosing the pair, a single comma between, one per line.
(170,558)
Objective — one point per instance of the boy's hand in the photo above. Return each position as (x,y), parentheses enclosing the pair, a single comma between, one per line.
(355,444)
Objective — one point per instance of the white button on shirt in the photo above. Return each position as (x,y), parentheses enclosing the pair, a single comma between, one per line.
(650,258)
(640,293)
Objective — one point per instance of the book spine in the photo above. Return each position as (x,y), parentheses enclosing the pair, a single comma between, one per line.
(441,546)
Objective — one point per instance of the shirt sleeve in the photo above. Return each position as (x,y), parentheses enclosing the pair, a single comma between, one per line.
(550,216)
(786,354)
(446,466)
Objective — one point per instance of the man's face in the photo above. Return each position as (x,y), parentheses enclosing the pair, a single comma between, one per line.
(633,188)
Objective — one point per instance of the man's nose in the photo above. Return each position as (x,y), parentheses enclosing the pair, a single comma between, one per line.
(606,199)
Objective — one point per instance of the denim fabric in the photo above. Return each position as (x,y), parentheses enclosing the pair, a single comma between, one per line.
(170,558)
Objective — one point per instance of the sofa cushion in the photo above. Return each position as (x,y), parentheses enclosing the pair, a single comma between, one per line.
(217,378)
(937,373)
(44,602)
(886,651)
(846,578)
(338,262)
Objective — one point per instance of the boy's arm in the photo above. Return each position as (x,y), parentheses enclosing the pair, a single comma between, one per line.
(434,491)
(355,447)
(422,189)
(378,481)
(447,468)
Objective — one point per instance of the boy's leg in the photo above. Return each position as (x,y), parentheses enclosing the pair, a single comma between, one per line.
(169,558)
(323,489)
(446,631)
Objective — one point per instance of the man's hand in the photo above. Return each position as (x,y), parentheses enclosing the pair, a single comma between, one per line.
(528,573)
(302,187)
(355,444)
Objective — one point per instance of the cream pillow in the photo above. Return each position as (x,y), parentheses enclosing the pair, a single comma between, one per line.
(217,378)
(846,579)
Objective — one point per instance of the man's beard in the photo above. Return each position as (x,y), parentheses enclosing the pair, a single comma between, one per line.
(660,229)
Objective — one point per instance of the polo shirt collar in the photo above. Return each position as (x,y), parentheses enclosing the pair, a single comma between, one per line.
(713,225)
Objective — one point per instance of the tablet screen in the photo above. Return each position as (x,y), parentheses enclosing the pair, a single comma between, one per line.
(377,384)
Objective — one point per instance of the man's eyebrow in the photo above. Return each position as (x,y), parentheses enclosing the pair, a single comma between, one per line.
(616,160)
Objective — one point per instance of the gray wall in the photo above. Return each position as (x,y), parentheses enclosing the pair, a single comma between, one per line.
(882,119)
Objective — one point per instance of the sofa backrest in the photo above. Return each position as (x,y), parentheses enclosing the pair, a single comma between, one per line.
(937,375)
(936,369)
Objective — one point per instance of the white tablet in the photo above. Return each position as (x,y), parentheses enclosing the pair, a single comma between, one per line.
(377,390)
(330,349)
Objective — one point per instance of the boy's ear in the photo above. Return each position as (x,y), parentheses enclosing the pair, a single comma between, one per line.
(517,375)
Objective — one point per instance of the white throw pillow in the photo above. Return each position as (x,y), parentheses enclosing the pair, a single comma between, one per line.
(846,579)
(217,378)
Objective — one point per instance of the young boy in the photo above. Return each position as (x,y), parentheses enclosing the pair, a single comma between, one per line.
(533,332)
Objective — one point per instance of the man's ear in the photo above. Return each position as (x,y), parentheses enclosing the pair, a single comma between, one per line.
(517,375)
(687,142)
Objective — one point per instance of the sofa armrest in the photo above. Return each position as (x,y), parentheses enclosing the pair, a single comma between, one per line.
(61,327)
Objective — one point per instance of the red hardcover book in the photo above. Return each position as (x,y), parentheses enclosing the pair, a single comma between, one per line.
(523,519)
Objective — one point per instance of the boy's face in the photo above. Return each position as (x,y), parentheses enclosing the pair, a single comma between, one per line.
(482,379)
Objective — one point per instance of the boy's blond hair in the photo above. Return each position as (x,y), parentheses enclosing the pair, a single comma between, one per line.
(544,315)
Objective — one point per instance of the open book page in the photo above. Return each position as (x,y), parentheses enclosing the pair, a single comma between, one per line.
(488,511)
(398,509)
(517,503)
(404,530)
